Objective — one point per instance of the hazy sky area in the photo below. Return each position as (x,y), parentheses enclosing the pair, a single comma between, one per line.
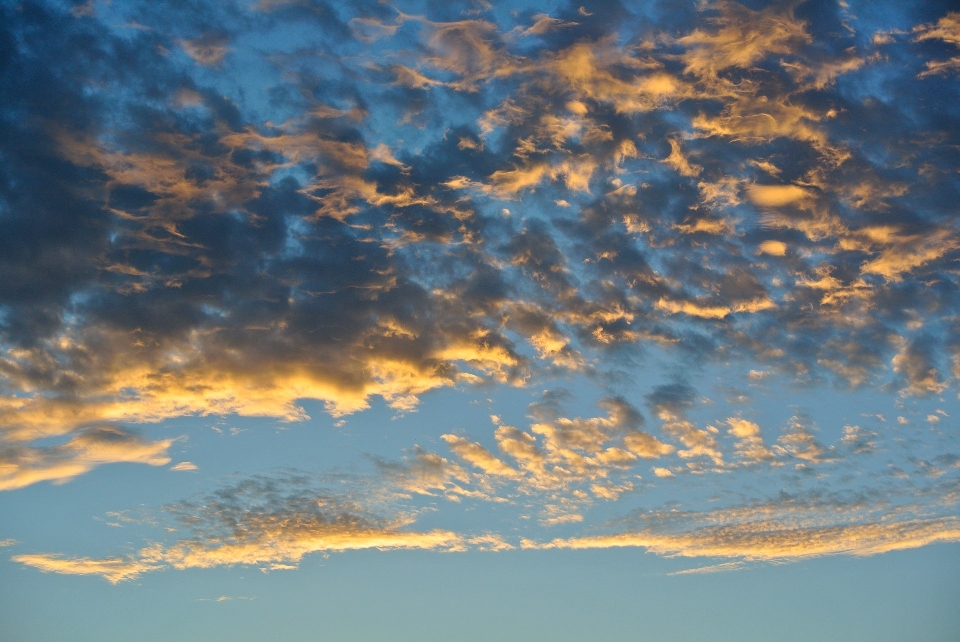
(462,320)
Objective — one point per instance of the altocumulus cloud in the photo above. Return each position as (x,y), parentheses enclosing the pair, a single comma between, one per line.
(206,221)
(269,523)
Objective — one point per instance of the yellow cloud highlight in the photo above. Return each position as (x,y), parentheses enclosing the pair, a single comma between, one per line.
(698,442)
(543,23)
(749,120)
(200,377)
(750,447)
(288,543)
(771,542)
(704,310)
(587,69)
(776,195)
(905,253)
(565,457)
(425,473)
(270,524)
(798,441)
(113,569)
(575,172)
(645,445)
(773,248)
(24,465)
(705,226)
(476,455)
(742,38)
(268,542)
(678,161)
(917,367)
(948,30)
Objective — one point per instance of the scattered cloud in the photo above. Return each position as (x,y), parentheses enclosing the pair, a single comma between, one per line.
(774,532)
(113,569)
(413,203)
(269,523)
(24,465)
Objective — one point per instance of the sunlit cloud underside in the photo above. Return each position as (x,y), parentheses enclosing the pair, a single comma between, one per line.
(238,209)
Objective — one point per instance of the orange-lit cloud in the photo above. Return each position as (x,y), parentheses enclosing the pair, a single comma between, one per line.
(768,541)
(750,446)
(946,29)
(24,465)
(113,569)
(258,524)
(406,204)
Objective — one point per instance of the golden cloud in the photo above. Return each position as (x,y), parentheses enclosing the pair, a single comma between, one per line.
(24,465)
(770,541)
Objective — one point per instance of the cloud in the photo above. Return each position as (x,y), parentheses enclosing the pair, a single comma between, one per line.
(859,440)
(798,441)
(916,364)
(209,49)
(679,162)
(946,29)
(773,248)
(671,402)
(750,446)
(283,539)
(713,568)
(740,37)
(776,195)
(424,473)
(469,49)
(562,458)
(907,252)
(478,456)
(24,465)
(589,71)
(778,531)
(195,221)
(113,569)
(768,542)
(544,24)
(271,523)
(210,239)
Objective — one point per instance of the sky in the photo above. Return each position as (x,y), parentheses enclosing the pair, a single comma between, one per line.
(432,320)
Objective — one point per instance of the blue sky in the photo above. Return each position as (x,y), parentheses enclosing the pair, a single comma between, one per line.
(450,320)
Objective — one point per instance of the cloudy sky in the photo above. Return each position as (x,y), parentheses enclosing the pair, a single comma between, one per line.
(465,320)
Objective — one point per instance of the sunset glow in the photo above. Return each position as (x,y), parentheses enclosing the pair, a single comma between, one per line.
(469,321)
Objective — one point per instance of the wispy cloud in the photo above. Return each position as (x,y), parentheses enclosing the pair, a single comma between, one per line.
(113,569)
(775,532)
(24,465)
(268,523)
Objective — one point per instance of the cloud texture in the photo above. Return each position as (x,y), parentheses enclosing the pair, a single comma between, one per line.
(231,208)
